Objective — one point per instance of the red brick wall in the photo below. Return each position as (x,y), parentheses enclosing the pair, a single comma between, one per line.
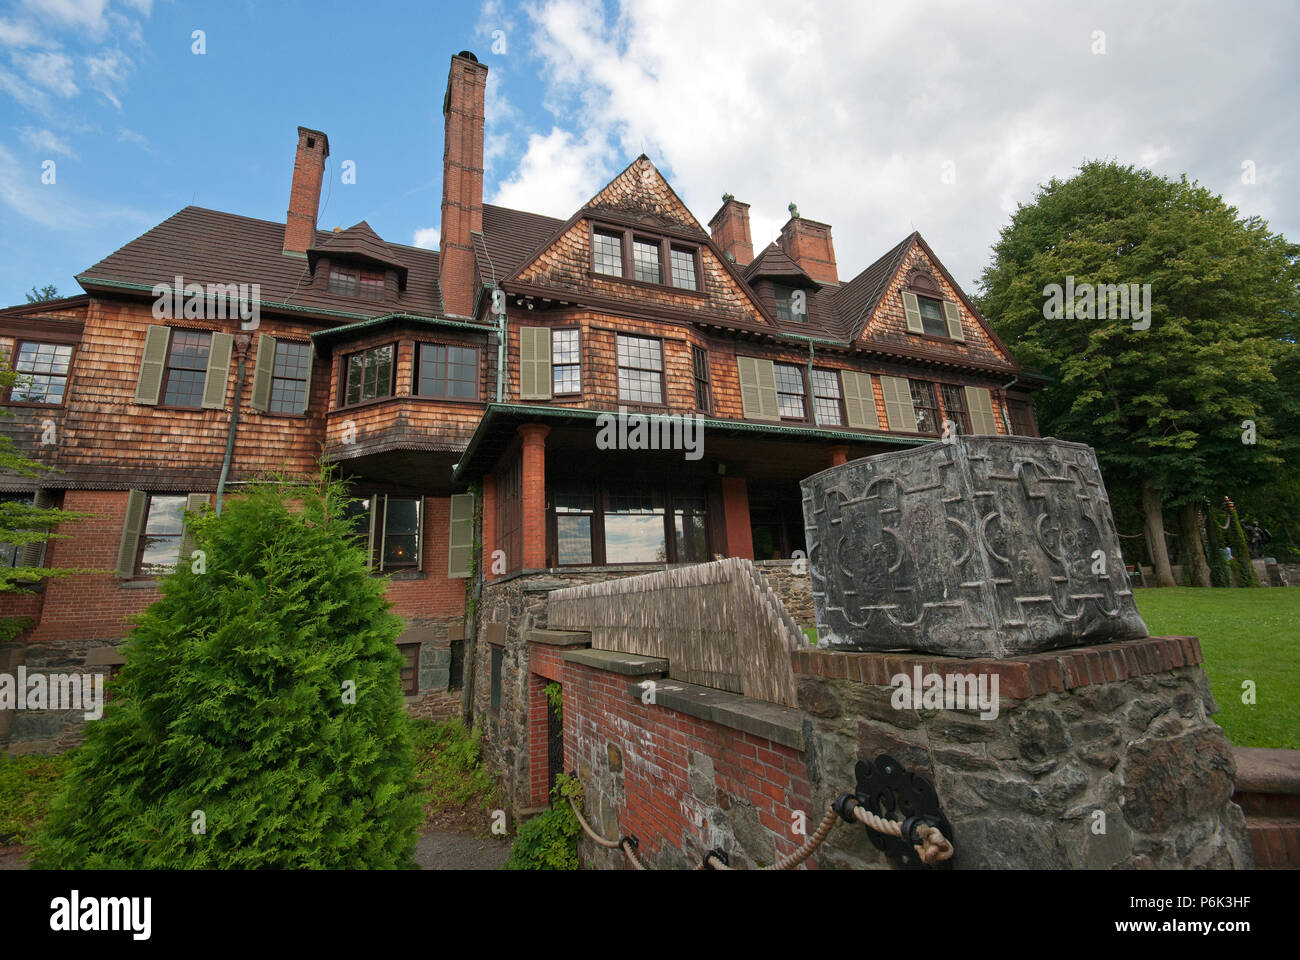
(655,744)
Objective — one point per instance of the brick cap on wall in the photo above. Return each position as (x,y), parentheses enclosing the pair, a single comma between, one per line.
(758,718)
(1019,677)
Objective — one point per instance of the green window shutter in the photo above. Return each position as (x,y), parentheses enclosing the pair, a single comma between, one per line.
(913,312)
(152,363)
(898,404)
(980,404)
(460,536)
(136,503)
(758,389)
(218,376)
(370,542)
(534,363)
(33,554)
(860,400)
(194,503)
(952,315)
(262,369)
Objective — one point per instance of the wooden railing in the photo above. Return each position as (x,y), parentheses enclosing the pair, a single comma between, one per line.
(718,624)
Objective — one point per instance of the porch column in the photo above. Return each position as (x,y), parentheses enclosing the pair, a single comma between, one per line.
(533,508)
(839,455)
(735,512)
(489,524)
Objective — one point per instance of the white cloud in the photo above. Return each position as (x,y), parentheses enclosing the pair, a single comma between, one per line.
(45,141)
(108,71)
(86,15)
(57,206)
(131,136)
(852,110)
(426,237)
(557,175)
(21,33)
(49,71)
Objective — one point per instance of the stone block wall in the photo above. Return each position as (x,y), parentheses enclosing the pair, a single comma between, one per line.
(1123,729)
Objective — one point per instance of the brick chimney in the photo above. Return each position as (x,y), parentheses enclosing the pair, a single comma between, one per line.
(462,181)
(808,243)
(730,229)
(304,195)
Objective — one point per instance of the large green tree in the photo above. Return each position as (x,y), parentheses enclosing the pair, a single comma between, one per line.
(1185,404)
(258,720)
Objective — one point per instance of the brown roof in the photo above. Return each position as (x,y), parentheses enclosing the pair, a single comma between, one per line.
(207,246)
(508,238)
(358,243)
(773,262)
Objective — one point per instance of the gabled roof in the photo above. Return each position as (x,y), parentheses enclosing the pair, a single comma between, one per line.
(207,246)
(858,299)
(508,238)
(358,244)
(774,263)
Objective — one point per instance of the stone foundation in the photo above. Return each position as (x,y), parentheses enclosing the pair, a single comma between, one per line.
(1098,757)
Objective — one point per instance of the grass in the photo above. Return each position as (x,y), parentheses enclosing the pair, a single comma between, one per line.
(28,784)
(1246,634)
(459,792)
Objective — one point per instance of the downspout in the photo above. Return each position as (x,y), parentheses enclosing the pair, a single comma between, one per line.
(241,351)
(501,345)
(811,395)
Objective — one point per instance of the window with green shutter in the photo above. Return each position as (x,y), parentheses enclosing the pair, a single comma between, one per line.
(898,404)
(281,375)
(980,403)
(859,400)
(535,363)
(758,398)
(460,536)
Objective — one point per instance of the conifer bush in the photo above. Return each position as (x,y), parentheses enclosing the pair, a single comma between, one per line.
(1241,562)
(258,721)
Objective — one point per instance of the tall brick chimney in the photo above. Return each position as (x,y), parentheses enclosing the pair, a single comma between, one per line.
(730,229)
(462,181)
(808,243)
(304,195)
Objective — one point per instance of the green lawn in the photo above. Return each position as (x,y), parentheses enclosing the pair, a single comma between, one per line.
(1246,634)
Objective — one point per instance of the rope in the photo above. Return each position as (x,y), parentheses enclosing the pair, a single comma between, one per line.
(934,846)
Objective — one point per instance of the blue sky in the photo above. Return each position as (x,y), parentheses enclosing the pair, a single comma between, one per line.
(876,118)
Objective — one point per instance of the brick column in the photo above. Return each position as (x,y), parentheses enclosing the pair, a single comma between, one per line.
(489,523)
(839,455)
(735,512)
(534,495)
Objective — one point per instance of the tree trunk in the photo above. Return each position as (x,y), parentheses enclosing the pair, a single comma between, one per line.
(1195,568)
(1153,517)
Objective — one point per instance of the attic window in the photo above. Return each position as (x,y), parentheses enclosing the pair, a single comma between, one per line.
(789,308)
(360,284)
(655,261)
(932,317)
(607,253)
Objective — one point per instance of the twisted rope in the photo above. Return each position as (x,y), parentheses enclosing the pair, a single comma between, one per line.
(934,847)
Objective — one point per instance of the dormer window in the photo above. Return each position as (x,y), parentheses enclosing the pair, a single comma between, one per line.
(635,256)
(932,321)
(791,304)
(357,283)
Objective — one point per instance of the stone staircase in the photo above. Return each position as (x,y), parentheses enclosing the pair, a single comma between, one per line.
(1268,792)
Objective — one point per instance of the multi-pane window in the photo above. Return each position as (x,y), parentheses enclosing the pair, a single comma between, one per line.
(923,402)
(627,524)
(160,543)
(700,369)
(690,533)
(350,282)
(634,527)
(607,253)
(369,374)
(566,365)
(645,261)
(446,371)
(683,263)
(289,377)
(400,545)
(187,366)
(640,370)
(954,407)
(791,304)
(42,372)
(826,397)
(575,511)
(932,320)
(789,391)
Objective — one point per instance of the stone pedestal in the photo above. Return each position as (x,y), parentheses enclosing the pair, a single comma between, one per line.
(986,546)
(1099,757)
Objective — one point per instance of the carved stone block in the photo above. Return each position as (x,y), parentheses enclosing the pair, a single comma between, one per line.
(983,546)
